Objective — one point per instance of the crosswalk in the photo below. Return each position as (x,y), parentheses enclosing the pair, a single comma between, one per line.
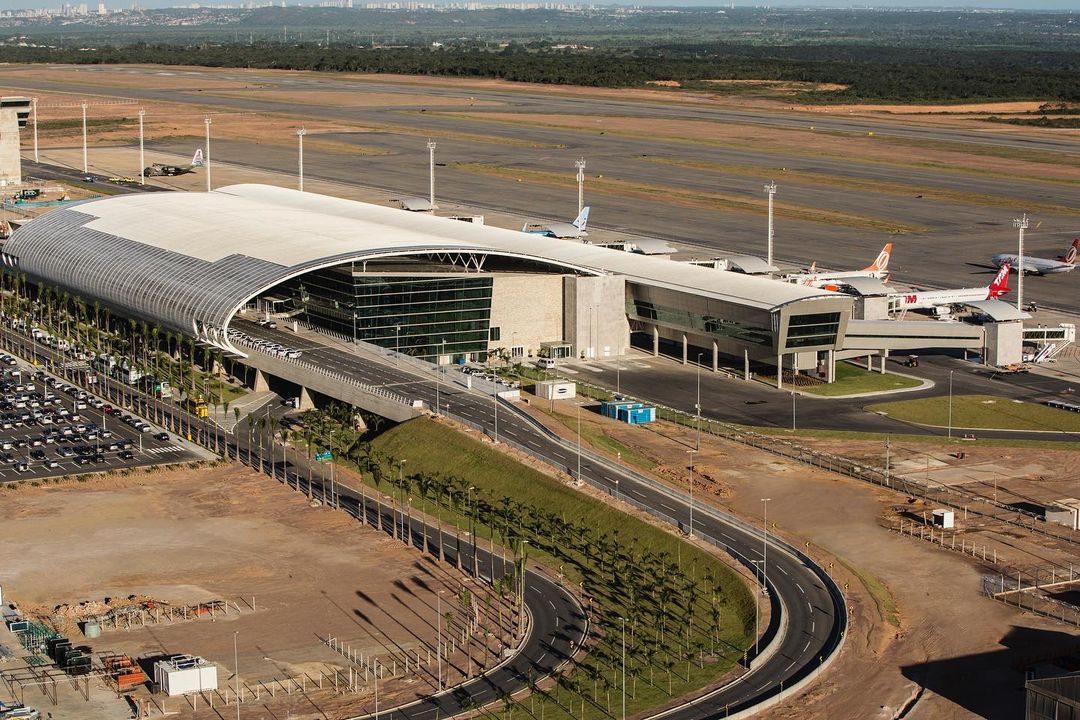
(164,450)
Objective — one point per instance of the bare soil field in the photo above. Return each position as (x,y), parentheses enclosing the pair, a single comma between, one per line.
(922,634)
(292,574)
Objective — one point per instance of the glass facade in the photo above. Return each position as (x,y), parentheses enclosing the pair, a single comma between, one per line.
(419,315)
(812,330)
(742,330)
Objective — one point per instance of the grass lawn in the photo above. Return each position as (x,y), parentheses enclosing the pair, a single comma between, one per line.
(689,616)
(981,411)
(596,437)
(851,379)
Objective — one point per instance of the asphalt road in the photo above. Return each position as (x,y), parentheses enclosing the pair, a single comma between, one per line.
(954,252)
(755,403)
(797,593)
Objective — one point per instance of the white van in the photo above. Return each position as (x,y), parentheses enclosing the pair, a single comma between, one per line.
(545,363)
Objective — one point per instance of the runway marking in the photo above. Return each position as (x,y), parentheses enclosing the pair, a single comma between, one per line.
(811,607)
(813,624)
(781,569)
(800,588)
(806,646)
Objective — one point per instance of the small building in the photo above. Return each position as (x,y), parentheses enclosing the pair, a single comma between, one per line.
(944,518)
(633,413)
(1065,511)
(183,674)
(556,389)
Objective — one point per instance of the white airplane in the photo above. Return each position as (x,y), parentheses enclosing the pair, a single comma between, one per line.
(1042,266)
(574,229)
(877,270)
(930,299)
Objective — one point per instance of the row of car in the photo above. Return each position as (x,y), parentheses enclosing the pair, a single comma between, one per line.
(482,374)
(267,346)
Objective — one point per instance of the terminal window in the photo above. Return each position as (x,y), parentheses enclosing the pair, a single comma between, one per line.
(812,330)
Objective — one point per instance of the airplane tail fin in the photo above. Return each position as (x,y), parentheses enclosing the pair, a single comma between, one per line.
(1000,285)
(813,267)
(881,262)
(582,219)
(197,158)
(1070,255)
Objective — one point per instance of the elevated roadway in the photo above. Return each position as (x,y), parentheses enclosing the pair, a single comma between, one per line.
(808,609)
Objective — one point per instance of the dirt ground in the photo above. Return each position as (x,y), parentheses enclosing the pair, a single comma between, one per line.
(925,639)
(226,533)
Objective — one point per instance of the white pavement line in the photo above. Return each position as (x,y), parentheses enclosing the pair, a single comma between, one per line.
(800,588)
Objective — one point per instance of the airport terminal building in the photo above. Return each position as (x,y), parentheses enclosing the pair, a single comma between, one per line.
(431,287)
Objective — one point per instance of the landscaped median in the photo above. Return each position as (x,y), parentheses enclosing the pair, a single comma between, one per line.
(854,380)
(688,616)
(984,412)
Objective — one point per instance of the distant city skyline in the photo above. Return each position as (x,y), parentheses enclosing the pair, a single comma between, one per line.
(830,4)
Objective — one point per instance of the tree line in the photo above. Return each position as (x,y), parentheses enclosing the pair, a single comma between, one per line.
(868,73)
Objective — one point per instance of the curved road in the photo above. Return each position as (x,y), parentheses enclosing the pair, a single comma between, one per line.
(808,610)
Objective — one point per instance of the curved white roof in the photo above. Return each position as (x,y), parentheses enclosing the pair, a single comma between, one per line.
(190,260)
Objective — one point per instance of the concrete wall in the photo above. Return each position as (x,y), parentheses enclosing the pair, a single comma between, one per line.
(528,310)
(1004,342)
(10,161)
(594,319)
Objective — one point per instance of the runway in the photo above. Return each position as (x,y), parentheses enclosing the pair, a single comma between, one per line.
(960,218)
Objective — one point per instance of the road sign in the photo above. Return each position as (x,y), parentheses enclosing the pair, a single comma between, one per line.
(325,455)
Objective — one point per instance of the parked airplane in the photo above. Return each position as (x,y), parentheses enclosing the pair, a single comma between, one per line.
(879,270)
(158,169)
(575,229)
(1042,266)
(931,299)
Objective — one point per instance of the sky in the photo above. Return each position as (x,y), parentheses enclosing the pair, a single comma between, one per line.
(993,4)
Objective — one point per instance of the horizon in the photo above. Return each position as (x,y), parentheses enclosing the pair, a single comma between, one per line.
(929,5)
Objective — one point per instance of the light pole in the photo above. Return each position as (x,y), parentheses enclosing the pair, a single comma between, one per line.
(765,547)
(438,373)
(1021,224)
(142,154)
(757,616)
(950,404)
(793,394)
(300,133)
(438,621)
(770,188)
(85,162)
(236,672)
(472,531)
(887,448)
(623,668)
(580,165)
(579,444)
(697,405)
(206,160)
(691,468)
(34,101)
(431,173)
(397,341)
(401,484)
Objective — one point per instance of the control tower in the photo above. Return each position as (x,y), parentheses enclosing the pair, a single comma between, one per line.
(13,114)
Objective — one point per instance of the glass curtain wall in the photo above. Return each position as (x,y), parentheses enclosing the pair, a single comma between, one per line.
(418,315)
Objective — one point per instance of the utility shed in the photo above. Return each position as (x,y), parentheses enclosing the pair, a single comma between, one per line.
(183,674)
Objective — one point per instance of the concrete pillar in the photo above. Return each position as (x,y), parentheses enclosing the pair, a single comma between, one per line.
(305,400)
(685,349)
(780,371)
(259,383)
(884,354)
(655,340)
(830,368)
(746,365)
(715,356)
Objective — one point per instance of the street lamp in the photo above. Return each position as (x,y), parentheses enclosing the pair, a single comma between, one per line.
(438,374)
(691,468)
(793,394)
(206,160)
(697,405)
(950,404)
(623,668)
(142,155)
(438,621)
(757,615)
(85,163)
(580,165)
(472,532)
(236,672)
(765,547)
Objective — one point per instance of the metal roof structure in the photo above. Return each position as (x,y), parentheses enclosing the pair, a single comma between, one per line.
(190,261)
(751,264)
(998,310)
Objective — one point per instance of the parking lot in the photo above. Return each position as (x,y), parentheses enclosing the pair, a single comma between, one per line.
(49,428)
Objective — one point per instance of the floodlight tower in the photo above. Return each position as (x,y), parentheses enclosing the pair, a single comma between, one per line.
(142,155)
(206,160)
(770,188)
(580,164)
(300,133)
(85,164)
(34,101)
(431,173)
(1021,224)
